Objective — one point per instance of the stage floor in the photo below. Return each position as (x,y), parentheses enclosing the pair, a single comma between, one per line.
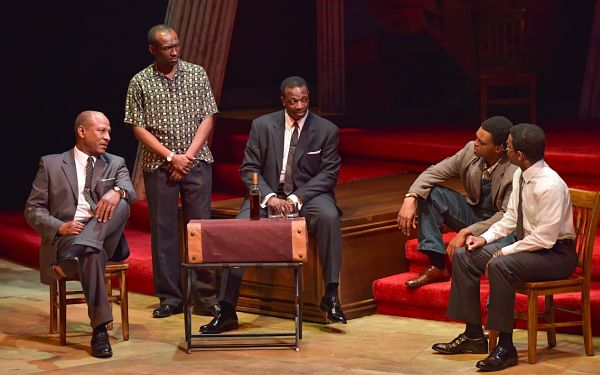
(376,344)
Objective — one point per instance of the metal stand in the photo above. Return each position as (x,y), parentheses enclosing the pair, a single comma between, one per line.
(263,340)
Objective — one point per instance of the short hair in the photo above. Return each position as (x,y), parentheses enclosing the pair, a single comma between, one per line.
(83,119)
(530,140)
(291,82)
(156,29)
(498,127)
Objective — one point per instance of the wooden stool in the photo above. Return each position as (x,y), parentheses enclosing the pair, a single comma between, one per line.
(60,298)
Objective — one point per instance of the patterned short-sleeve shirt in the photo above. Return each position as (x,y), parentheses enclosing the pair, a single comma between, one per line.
(170,109)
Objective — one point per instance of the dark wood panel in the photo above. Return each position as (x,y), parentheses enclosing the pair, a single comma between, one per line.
(372,247)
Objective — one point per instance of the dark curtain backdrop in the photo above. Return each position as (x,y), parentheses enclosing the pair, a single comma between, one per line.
(59,58)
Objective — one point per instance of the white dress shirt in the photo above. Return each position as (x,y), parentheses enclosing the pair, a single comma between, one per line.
(84,211)
(547,211)
(287,136)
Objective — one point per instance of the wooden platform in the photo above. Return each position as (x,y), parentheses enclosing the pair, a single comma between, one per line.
(372,247)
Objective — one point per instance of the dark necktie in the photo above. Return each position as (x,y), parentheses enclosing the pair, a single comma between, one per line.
(520,231)
(87,189)
(288,184)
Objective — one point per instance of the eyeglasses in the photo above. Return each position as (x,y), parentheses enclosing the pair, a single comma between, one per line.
(505,147)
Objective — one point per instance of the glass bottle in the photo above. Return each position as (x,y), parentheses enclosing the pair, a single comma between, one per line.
(254,195)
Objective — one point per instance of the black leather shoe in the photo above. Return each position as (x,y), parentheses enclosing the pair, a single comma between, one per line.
(213,310)
(332,306)
(499,359)
(69,265)
(166,310)
(225,320)
(101,344)
(463,344)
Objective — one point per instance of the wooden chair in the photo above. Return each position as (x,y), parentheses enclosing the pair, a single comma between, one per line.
(504,79)
(60,298)
(586,207)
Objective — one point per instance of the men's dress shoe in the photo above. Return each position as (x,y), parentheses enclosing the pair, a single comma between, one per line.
(431,274)
(499,359)
(226,320)
(463,344)
(69,265)
(332,306)
(212,310)
(166,310)
(101,344)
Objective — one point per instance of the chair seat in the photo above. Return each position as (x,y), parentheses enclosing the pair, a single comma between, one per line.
(572,281)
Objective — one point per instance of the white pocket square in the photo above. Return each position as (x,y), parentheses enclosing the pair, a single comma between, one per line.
(313,152)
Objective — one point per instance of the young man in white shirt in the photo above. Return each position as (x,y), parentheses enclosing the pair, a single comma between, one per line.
(540,213)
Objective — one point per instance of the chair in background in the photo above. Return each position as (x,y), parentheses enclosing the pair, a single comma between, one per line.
(586,207)
(60,297)
(504,79)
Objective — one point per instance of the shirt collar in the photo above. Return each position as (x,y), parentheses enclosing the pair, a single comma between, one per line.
(289,121)
(81,157)
(530,172)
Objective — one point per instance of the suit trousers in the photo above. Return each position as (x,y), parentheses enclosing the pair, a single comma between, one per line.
(323,221)
(163,197)
(504,272)
(101,240)
(442,207)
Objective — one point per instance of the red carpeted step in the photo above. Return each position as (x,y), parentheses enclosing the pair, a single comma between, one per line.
(415,259)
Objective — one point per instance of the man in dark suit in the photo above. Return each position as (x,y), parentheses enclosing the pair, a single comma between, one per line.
(295,155)
(79,203)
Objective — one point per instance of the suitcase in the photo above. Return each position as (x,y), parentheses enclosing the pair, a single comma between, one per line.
(246,241)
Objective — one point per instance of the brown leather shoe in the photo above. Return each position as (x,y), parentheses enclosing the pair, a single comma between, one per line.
(431,274)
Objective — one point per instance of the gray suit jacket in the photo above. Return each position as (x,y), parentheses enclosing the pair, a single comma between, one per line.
(316,160)
(468,167)
(54,193)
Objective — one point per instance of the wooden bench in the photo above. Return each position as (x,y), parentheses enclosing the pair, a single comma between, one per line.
(372,248)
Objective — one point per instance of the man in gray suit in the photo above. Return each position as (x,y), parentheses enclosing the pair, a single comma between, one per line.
(486,175)
(79,203)
(295,154)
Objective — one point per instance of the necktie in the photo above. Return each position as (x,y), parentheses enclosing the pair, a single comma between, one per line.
(87,189)
(520,231)
(288,184)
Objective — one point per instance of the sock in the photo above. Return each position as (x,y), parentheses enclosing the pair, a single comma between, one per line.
(331,290)
(436,259)
(75,251)
(505,339)
(100,327)
(226,306)
(474,331)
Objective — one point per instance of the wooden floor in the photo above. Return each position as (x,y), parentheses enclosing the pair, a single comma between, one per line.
(374,344)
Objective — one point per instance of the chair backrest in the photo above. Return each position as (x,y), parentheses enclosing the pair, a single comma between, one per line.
(586,208)
(501,39)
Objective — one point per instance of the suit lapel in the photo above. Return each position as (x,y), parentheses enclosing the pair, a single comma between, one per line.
(70,172)
(278,130)
(308,132)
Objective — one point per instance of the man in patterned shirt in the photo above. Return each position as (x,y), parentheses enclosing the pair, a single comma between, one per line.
(170,108)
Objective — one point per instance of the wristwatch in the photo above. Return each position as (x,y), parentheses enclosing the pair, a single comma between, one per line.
(411,195)
(170,157)
(120,191)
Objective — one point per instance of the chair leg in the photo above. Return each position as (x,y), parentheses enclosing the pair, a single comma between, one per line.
(109,293)
(531,327)
(587,323)
(62,307)
(124,305)
(492,340)
(550,331)
(53,307)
